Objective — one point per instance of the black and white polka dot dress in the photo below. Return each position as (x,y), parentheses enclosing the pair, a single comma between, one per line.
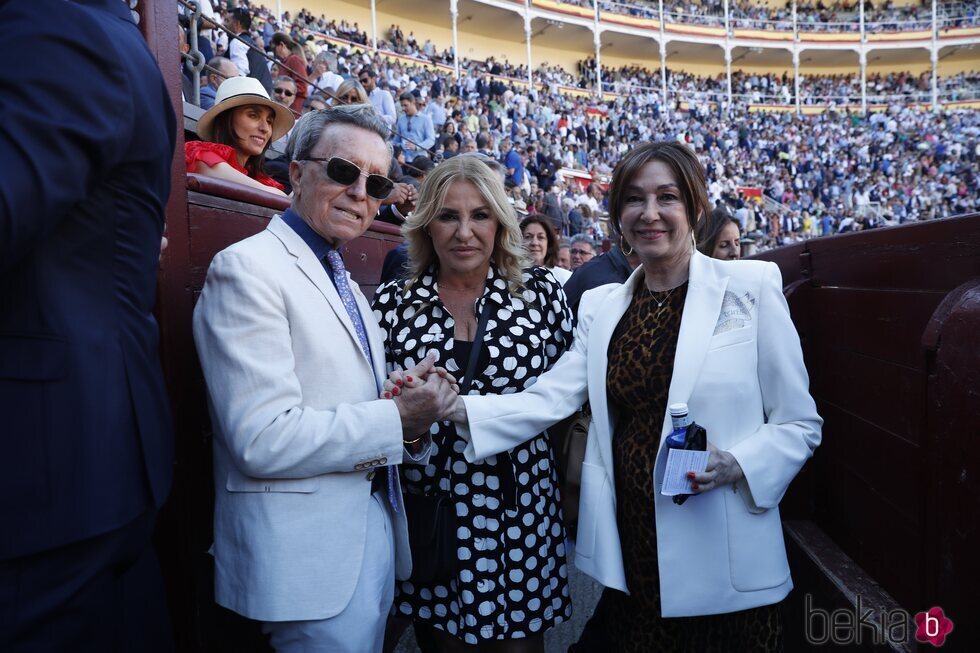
(511,581)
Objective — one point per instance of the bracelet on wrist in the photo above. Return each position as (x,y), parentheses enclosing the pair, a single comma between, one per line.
(404,441)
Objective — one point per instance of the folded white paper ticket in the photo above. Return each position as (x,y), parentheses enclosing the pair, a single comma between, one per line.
(679,463)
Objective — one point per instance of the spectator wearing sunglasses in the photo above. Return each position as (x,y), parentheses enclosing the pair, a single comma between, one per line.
(309,529)
(236,133)
(350,91)
(284,91)
(315,102)
(413,130)
(380,98)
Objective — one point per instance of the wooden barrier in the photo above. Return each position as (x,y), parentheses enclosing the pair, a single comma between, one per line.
(889,321)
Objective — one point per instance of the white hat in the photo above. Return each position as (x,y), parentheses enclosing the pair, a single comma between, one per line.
(242,91)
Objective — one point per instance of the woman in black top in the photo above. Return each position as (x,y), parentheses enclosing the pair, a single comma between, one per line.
(466,258)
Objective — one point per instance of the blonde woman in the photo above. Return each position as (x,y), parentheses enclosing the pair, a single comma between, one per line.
(466,260)
(350,91)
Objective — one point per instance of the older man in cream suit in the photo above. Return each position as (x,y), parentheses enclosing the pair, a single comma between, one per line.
(309,531)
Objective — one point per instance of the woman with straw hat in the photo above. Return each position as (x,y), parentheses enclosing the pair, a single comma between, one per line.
(235,134)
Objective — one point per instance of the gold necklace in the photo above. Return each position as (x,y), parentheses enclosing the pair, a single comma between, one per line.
(660,302)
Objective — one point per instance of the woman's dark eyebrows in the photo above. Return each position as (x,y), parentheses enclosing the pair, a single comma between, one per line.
(633,188)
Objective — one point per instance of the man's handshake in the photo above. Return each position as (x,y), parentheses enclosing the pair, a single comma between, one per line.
(424,394)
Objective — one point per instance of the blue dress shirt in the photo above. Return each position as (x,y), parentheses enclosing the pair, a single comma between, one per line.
(418,129)
(320,247)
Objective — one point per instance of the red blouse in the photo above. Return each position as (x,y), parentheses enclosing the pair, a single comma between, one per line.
(296,68)
(211,154)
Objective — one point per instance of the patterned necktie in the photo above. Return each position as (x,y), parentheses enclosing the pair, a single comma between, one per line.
(339,273)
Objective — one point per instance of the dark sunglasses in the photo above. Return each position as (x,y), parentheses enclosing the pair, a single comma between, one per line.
(345,173)
(350,99)
(283,91)
(363,81)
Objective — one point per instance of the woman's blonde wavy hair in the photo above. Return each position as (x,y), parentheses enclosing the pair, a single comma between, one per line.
(508,250)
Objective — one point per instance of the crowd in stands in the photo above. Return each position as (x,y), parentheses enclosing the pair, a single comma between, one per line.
(821,174)
(756,88)
(812,15)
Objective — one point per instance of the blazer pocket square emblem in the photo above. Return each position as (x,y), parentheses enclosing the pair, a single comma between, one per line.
(736,312)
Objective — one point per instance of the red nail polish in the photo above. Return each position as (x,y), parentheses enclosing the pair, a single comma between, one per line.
(409,379)
(396,391)
(695,486)
(690,475)
(398,382)
(387,395)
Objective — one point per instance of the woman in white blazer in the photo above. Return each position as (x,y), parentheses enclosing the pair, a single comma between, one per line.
(716,335)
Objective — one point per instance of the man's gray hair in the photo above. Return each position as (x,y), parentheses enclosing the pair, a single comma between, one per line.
(582,238)
(306,134)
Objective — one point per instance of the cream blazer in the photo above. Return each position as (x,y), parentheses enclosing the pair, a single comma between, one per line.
(739,367)
(298,430)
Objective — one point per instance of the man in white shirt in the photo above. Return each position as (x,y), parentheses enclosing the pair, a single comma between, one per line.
(323,73)
(249,62)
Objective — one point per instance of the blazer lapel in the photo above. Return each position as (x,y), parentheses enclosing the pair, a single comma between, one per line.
(604,324)
(706,289)
(307,262)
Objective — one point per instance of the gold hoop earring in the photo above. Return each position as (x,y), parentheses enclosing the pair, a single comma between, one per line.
(622,246)
(694,241)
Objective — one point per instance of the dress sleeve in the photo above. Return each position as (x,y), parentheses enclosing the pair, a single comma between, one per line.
(210,154)
(550,300)
(384,306)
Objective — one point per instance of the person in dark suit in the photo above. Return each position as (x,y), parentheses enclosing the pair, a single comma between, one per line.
(86,434)
(249,61)
(612,267)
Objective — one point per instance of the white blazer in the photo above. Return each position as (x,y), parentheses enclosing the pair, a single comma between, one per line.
(739,367)
(298,430)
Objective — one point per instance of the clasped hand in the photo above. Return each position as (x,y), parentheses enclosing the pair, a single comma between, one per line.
(423,394)
(722,469)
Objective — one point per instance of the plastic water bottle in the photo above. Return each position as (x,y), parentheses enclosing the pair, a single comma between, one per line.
(679,420)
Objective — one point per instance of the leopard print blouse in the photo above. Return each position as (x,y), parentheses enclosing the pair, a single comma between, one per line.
(641,358)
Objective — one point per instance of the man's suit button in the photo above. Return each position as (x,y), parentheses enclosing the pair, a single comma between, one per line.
(383,461)
(359,466)
(370,475)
